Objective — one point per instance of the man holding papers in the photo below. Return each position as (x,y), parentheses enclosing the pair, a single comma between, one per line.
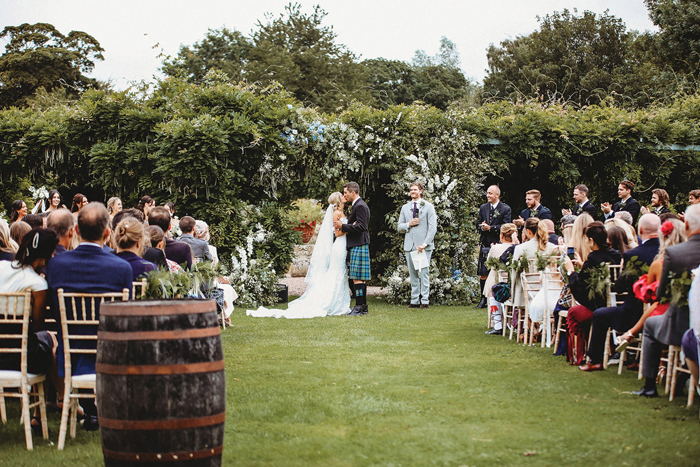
(419,221)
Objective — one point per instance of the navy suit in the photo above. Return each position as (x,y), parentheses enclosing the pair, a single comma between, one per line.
(179,252)
(632,206)
(587,207)
(621,318)
(87,269)
(542,213)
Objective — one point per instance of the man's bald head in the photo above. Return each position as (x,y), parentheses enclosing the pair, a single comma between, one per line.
(649,226)
(61,221)
(549,224)
(93,222)
(493,193)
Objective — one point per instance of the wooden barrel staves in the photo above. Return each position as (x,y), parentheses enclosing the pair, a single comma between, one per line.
(161,389)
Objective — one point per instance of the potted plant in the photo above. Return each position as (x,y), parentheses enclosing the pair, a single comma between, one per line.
(304,216)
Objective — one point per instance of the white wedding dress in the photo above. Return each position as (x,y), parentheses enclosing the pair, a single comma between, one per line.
(327,292)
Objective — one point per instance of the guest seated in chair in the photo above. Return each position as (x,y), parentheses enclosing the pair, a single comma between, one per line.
(583,289)
(8,247)
(668,329)
(200,248)
(509,238)
(176,251)
(36,249)
(62,222)
(87,269)
(129,243)
(623,317)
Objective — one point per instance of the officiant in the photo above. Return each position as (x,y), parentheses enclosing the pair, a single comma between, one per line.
(419,221)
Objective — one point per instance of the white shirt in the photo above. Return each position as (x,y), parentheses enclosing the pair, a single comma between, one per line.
(13,279)
(355,201)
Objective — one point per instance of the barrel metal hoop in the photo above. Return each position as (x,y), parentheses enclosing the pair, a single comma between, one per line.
(130,309)
(158,335)
(177,369)
(175,424)
(162,457)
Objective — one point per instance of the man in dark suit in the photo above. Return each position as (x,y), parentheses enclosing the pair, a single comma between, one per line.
(668,329)
(200,248)
(533,209)
(626,203)
(358,246)
(659,202)
(62,222)
(621,318)
(176,251)
(87,269)
(492,215)
(582,203)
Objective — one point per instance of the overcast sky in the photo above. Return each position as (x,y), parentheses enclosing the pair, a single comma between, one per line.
(135,32)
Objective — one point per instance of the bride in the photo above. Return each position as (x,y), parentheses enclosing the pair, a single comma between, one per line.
(327,292)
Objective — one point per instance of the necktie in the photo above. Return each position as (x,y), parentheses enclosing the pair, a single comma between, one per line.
(415,209)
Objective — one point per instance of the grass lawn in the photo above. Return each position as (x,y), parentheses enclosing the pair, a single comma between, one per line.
(412,387)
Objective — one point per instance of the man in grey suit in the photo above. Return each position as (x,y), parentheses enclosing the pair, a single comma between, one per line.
(200,248)
(668,329)
(419,221)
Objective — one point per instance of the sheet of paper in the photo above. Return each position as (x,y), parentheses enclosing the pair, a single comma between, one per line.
(420,260)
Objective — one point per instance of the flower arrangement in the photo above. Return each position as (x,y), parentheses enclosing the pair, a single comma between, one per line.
(305,213)
(39,193)
(253,278)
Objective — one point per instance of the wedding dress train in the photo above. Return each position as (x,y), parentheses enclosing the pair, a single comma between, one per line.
(327,292)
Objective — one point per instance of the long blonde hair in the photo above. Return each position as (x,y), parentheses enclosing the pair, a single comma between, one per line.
(579,240)
(676,236)
(7,244)
(539,231)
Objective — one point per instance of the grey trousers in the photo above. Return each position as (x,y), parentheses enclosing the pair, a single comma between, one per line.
(420,280)
(652,347)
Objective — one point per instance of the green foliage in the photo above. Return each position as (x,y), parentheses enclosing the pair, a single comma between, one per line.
(304,212)
(39,56)
(679,38)
(581,60)
(680,288)
(544,260)
(597,281)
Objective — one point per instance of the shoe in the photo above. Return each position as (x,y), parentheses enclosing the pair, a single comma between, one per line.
(591,367)
(622,346)
(355,311)
(414,305)
(36,428)
(90,423)
(613,361)
(482,303)
(646,392)
(364,310)
(424,307)
(494,332)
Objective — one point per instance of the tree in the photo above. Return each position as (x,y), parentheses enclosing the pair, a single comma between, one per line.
(579,59)
(221,49)
(437,81)
(38,55)
(297,51)
(679,35)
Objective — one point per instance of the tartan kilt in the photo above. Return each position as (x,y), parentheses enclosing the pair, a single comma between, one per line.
(359,263)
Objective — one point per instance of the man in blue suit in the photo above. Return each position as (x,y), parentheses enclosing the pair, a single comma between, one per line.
(622,318)
(534,209)
(87,269)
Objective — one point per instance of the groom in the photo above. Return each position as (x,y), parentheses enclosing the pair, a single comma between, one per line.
(358,245)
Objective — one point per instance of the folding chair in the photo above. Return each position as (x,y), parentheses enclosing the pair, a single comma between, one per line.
(614,299)
(138,289)
(84,312)
(15,308)
(677,367)
(532,283)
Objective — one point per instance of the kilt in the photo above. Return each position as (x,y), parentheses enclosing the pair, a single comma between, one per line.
(359,263)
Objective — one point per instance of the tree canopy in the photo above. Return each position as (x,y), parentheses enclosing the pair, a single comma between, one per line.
(39,56)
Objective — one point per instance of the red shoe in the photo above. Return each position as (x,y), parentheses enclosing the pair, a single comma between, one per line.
(591,367)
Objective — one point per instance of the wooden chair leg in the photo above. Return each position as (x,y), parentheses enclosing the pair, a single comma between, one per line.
(73,416)
(606,352)
(64,417)
(26,419)
(623,357)
(691,390)
(641,358)
(669,368)
(42,411)
(3,411)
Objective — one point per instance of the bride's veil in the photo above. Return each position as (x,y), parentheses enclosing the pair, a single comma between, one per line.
(321,257)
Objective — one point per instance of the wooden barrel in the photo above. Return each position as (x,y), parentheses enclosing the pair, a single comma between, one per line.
(161,388)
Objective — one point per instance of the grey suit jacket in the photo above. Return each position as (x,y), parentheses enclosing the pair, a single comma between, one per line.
(678,259)
(422,233)
(200,248)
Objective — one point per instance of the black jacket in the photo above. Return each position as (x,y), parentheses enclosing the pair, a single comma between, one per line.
(577,280)
(357,226)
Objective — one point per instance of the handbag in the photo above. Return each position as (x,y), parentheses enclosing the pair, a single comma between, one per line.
(501,292)
(566,298)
